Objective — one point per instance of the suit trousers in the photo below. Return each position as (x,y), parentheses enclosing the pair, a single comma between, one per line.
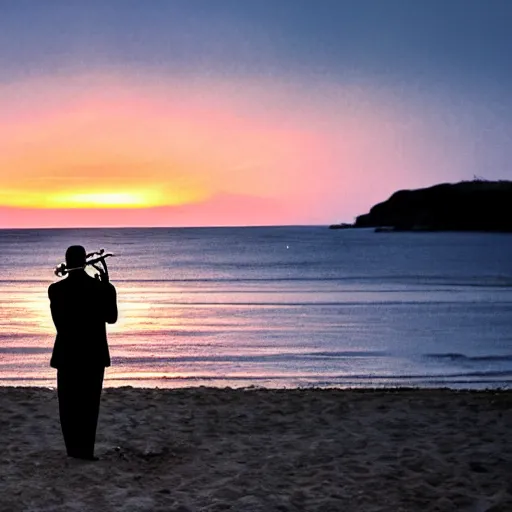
(79,392)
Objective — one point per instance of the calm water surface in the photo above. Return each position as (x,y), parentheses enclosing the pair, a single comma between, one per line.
(277,307)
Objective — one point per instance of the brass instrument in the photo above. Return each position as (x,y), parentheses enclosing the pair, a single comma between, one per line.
(93,259)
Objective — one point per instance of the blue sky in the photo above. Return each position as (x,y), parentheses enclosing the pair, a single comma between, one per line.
(455,42)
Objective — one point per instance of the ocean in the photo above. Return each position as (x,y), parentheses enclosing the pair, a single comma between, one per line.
(274,307)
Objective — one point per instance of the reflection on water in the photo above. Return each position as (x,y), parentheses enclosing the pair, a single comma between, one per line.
(342,309)
(24,310)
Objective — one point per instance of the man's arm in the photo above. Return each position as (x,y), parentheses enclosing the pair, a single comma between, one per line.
(110,294)
(55,310)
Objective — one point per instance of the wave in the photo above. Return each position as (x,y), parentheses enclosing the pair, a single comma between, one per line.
(24,350)
(229,358)
(470,281)
(462,357)
(470,377)
(491,281)
(42,282)
(471,380)
(381,302)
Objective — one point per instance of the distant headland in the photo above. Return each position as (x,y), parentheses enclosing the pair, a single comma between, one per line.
(477,205)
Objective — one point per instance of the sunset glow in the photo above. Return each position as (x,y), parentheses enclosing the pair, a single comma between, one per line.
(236,113)
(94,199)
(106,200)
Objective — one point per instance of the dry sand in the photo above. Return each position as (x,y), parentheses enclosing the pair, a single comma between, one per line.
(263,450)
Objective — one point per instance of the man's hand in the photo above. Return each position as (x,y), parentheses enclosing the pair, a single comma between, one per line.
(102,274)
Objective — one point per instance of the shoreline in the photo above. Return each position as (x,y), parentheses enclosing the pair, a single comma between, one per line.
(482,387)
(505,387)
(253,449)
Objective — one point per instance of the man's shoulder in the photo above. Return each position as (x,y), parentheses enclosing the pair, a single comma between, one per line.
(55,287)
(87,283)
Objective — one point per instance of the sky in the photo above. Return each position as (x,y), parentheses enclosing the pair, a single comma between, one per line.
(245,112)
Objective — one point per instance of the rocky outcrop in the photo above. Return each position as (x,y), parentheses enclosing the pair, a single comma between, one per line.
(466,206)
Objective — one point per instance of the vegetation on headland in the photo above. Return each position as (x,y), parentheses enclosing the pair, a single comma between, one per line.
(477,205)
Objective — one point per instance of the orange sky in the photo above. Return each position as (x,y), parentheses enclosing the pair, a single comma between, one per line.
(86,150)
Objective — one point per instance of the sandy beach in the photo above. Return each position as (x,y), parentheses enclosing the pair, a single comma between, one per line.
(206,449)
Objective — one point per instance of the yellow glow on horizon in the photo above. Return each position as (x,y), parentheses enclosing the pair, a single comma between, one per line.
(107,200)
(96,199)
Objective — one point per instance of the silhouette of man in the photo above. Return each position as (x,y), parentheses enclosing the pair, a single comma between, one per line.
(80,307)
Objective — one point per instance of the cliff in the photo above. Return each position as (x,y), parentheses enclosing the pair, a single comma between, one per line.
(466,206)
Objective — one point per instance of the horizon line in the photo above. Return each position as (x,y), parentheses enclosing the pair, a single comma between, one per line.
(164,227)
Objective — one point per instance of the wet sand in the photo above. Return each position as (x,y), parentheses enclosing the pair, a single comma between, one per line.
(254,450)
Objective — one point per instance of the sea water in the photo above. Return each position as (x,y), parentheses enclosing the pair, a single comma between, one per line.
(274,307)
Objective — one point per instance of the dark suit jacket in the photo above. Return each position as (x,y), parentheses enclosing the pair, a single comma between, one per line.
(80,306)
